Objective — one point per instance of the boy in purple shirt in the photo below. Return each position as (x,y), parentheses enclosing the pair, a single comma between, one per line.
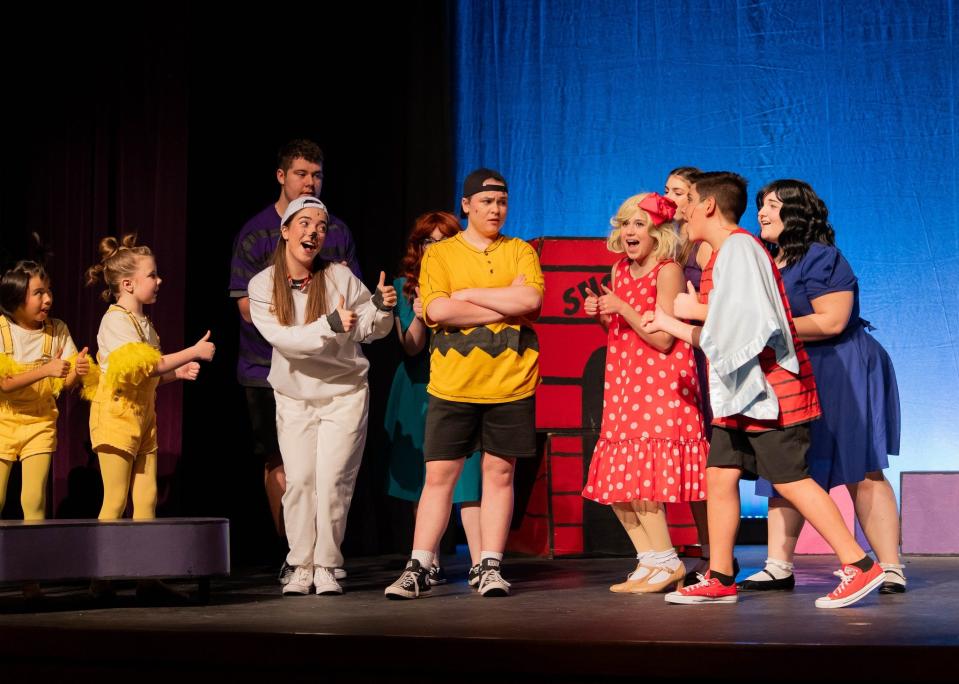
(299,173)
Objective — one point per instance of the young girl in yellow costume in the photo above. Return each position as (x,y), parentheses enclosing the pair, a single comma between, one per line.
(123,429)
(37,360)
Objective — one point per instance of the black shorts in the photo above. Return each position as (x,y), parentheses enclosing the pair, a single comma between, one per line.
(455,429)
(261,407)
(776,455)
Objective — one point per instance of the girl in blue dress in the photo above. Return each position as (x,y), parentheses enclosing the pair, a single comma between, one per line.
(860,421)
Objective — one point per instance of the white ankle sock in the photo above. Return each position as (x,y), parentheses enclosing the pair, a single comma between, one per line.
(665,563)
(777,568)
(491,555)
(424,557)
(894,572)
(666,559)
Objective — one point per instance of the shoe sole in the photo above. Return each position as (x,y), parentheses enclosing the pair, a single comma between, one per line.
(494,593)
(293,592)
(826,602)
(771,585)
(400,595)
(892,588)
(403,597)
(700,600)
(329,592)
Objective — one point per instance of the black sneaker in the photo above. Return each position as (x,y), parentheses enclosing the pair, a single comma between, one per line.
(701,567)
(473,576)
(411,584)
(491,581)
(436,576)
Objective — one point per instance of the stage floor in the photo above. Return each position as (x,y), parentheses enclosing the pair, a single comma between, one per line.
(561,624)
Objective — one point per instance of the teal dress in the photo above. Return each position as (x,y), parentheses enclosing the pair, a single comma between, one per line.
(406,420)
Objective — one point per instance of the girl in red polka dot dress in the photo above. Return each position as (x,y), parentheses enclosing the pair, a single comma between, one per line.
(652,447)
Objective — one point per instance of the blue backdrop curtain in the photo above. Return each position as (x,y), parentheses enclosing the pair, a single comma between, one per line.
(581,103)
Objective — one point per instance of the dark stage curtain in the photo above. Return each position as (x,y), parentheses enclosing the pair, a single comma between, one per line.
(172,132)
(99,147)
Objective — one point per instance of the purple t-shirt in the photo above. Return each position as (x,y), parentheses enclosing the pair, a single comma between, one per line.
(252,252)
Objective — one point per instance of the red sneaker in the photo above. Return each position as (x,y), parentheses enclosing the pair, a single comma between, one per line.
(853,585)
(708,590)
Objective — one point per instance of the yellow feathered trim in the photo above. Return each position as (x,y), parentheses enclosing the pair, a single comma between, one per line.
(131,364)
(9,367)
(89,382)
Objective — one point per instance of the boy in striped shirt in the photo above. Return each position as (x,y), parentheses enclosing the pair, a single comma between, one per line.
(761,389)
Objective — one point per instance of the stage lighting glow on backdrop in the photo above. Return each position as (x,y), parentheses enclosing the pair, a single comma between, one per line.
(581,103)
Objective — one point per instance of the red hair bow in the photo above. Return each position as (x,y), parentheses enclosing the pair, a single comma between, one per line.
(659,208)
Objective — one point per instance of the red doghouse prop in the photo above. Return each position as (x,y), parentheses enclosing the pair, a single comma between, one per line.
(551,517)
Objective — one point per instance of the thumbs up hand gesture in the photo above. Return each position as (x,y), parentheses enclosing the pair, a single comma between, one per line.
(83,362)
(347,317)
(686,305)
(610,303)
(387,293)
(204,349)
(591,303)
(57,367)
(418,304)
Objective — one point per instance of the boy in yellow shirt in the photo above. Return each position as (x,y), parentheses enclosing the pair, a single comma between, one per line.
(480,291)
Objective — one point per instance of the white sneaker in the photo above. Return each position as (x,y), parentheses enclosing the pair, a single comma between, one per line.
(339,573)
(324,580)
(300,582)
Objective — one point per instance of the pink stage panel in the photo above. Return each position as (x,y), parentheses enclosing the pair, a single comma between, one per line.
(930,518)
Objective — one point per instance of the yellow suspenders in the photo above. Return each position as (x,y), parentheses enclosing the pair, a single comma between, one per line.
(133,319)
(7,338)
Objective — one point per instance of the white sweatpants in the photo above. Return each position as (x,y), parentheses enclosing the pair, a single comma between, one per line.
(321,442)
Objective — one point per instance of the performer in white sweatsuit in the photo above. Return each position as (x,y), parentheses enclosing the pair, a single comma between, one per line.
(318,374)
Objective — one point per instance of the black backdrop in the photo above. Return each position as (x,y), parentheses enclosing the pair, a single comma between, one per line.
(169,126)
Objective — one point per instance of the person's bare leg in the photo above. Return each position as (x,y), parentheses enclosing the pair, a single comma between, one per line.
(814,503)
(496,508)
(784,525)
(470,517)
(274,481)
(700,517)
(723,511)
(435,504)
(875,504)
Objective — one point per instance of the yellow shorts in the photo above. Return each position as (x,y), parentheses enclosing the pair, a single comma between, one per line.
(125,424)
(28,429)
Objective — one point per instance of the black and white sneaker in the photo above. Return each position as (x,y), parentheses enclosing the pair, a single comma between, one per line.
(491,581)
(411,584)
(436,576)
(286,572)
(895,580)
(473,576)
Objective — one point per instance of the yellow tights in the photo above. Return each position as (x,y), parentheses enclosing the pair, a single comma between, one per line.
(35,470)
(118,470)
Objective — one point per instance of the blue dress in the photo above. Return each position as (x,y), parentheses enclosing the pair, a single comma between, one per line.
(406,421)
(860,421)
